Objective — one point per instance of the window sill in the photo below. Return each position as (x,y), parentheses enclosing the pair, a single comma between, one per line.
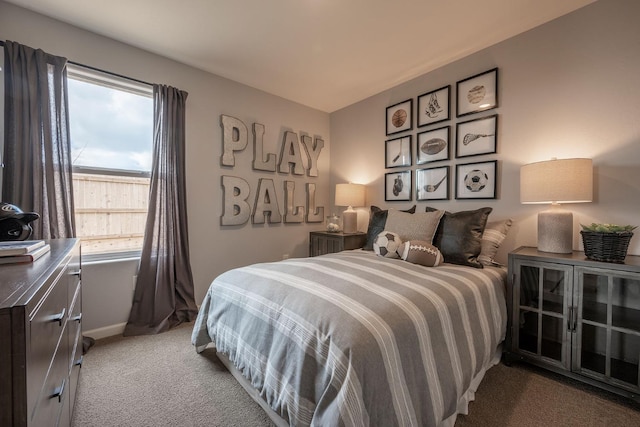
(108,258)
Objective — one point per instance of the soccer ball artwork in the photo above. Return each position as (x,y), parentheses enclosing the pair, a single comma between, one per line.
(476,180)
(386,244)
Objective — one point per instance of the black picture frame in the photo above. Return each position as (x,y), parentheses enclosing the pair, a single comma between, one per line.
(433,145)
(432,183)
(476,137)
(434,107)
(397,152)
(476,180)
(398,186)
(399,117)
(477,93)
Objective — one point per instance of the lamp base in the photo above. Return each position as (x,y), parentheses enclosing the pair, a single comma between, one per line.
(349,221)
(555,231)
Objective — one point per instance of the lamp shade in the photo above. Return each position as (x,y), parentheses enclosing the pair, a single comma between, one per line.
(349,195)
(557,181)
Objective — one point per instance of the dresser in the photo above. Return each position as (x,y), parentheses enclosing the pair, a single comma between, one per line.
(41,337)
(325,242)
(577,317)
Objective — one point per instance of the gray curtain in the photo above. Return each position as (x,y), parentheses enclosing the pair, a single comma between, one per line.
(37,150)
(164,292)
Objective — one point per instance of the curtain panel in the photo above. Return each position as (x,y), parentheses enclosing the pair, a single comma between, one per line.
(164,292)
(37,153)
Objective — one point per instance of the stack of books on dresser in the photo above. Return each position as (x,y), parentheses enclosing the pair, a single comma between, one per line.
(14,252)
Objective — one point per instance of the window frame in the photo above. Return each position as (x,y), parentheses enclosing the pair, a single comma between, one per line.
(117,82)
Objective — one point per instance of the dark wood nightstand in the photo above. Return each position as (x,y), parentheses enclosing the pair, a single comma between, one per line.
(324,242)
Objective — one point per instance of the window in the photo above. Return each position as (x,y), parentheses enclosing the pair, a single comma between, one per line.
(111,127)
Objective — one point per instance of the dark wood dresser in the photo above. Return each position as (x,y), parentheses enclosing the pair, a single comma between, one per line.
(41,337)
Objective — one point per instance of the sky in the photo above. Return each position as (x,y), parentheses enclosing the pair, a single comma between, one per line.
(109,128)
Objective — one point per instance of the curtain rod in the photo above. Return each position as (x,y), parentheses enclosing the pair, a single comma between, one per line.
(2,43)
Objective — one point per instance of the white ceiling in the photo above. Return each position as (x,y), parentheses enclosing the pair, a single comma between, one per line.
(325,54)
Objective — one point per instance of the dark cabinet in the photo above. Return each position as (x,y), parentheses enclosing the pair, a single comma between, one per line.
(41,336)
(324,242)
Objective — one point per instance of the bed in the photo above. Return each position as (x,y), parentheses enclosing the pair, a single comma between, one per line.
(356,339)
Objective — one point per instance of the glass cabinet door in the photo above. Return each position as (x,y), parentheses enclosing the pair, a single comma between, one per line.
(608,326)
(544,297)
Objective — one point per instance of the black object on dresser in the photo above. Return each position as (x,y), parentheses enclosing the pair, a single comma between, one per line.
(41,336)
(324,242)
(577,317)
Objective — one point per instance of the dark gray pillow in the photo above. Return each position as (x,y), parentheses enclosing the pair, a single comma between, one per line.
(459,236)
(377,221)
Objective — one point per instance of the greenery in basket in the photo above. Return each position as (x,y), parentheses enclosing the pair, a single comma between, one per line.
(608,228)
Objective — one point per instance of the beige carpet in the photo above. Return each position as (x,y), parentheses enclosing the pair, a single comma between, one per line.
(160,380)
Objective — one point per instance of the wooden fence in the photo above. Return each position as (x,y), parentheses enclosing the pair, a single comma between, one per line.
(111,212)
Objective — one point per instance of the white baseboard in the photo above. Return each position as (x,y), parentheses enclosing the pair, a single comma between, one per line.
(106,331)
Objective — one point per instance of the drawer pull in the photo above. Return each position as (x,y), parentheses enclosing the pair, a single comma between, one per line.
(59,317)
(59,391)
(77,318)
(79,361)
(76,273)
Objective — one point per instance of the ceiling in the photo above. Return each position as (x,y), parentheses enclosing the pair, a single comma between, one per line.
(326,54)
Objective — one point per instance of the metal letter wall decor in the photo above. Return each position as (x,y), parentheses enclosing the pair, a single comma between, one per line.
(236,208)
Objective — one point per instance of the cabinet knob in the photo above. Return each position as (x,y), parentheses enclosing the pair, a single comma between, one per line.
(59,317)
(59,391)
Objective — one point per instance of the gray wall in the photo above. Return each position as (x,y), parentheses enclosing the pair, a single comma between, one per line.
(569,88)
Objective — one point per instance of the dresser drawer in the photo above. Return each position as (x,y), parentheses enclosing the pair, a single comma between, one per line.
(52,400)
(47,325)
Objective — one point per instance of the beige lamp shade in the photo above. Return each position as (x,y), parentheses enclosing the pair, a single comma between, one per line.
(349,195)
(557,181)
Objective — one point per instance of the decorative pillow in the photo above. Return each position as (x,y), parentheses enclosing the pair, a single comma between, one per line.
(387,244)
(494,234)
(417,226)
(459,236)
(377,220)
(420,252)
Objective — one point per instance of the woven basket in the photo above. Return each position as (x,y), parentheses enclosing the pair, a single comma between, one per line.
(607,247)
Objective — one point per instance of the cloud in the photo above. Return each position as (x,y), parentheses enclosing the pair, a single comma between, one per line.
(109,128)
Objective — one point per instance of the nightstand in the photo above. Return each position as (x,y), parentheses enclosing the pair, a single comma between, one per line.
(576,317)
(324,242)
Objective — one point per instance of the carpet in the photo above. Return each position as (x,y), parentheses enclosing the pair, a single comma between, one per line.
(159,380)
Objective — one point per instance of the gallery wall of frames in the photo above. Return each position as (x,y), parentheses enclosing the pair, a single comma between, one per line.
(442,156)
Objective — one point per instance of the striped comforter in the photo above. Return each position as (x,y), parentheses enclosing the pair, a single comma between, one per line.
(356,339)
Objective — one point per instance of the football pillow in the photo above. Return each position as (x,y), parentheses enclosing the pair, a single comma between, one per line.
(420,252)
(386,244)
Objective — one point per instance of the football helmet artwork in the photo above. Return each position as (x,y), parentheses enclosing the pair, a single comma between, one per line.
(14,223)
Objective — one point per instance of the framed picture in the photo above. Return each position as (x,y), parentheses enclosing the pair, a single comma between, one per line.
(476,137)
(433,145)
(433,107)
(400,117)
(476,180)
(397,152)
(432,183)
(477,93)
(397,185)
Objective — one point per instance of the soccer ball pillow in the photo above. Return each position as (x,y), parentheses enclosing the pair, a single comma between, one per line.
(420,252)
(386,244)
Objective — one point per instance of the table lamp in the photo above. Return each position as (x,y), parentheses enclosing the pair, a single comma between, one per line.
(349,195)
(556,181)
